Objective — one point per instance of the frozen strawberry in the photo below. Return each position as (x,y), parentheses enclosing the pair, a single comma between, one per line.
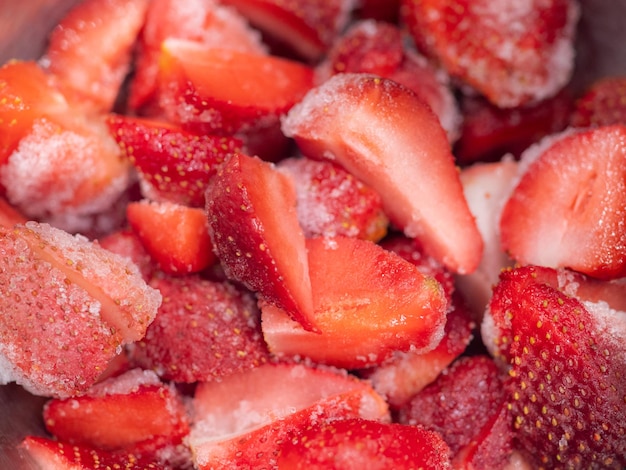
(465,404)
(203,21)
(255,231)
(126,243)
(489,132)
(379,10)
(368,302)
(204,330)
(306,27)
(68,306)
(407,373)
(350,118)
(128,412)
(210,90)
(9,215)
(361,443)
(242,420)
(511,53)
(333,202)
(173,165)
(54,455)
(569,206)
(90,50)
(185,247)
(602,104)
(567,362)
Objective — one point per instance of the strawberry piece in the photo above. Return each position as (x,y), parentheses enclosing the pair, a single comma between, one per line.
(204,330)
(126,243)
(68,305)
(406,374)
(509,53)
(242,420)
(9,215)
(361,443)
(131,411)
(349,119)
(333,202)
(569,206)
(209,90)
(602,104)
(472,392)
(369,303)
(567,363)
(254,228)
(489,132)
(306,27)
(203,21)
(173,165)
(185,247)
(55,455)
(90,50)
(379,10)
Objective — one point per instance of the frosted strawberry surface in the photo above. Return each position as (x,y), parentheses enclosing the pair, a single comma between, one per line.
(292,234)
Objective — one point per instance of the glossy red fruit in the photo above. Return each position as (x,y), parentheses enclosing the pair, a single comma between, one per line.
(602,104)
(569,206)
(204,330)
(254,228)
(349,119)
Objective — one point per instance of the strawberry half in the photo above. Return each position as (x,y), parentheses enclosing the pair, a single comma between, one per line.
(569,206)
(173,165)
(255,231)
(204,330)
(567,363)
(602,104)
(349,119)
(368,302)
(68,305)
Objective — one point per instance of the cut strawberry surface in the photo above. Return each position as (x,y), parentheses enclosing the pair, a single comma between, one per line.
(204,330)
(242,420)
(307,27)
(359,443)
(255,231)
(333,202)
(217,89)
(567,363)
(369,303)
(90,50)
(602,104)
(513,54)
(569,207)
(185,247)
(173,165)
(349,119)
(68,305)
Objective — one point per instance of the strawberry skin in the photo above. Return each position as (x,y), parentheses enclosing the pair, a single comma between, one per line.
(602,104)
(569,206)
(349,119)
(567,364)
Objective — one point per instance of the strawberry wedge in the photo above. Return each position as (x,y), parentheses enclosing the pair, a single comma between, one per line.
(382,133)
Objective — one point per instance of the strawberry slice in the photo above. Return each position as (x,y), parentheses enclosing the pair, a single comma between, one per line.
(567,360)
(569,206)
(203,21)
(54,455)
(333,202)
(204,330)
(185,247)
(173,165)
(306,27)
(128,412)
(602,104)
(349,119)
(254,228)
(242,420)
(68,305)
(207,90)
(369,303)
(361,443)
(510,53)
(90,50)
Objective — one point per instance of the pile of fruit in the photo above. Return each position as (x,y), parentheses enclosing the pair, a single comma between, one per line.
(315,234)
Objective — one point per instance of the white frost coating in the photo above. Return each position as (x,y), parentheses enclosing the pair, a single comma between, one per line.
(126,383)
(8,373)
(611,325)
